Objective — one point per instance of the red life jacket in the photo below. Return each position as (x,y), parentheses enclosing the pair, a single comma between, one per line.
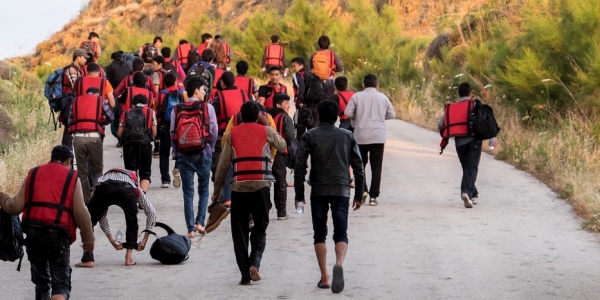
(230,103)
(49,193)
(84,71)
(87,114)
(274,91)
(237,118)
(274,55)
(131,92)
(201,48)
(161,75)
(245,83)
(252,153)
(84,83)
(456,119)
(343,99)
(218,74)
(183,51)
(67,88)
(279,124)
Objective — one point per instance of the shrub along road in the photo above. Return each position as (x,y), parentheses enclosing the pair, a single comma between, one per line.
(519,242)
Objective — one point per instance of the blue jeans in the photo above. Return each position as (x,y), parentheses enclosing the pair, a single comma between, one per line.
(319,207)
(226,192)
(189,165)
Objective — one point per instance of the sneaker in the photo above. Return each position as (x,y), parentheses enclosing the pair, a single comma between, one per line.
(119,145)
(282,217)
(216,213)
(176,178)
(164,185)
(373,202)
(468,202)
(155,154)
(250,225)
(474,200)
(365,196)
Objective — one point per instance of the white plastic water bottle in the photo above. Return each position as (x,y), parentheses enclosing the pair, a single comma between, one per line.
(119,236)
(300,208)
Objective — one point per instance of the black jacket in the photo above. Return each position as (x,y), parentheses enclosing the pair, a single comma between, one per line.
(332,150)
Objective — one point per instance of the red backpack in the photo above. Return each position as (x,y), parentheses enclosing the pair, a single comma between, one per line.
(191,127)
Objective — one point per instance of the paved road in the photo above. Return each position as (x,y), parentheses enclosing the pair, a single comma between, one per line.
(520,242)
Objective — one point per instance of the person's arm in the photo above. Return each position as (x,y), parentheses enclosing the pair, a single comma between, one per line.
(301,87)
(288,129)
(180,71)
(121,125)
(216,105)
(275,139)
(172,131)
(156,80)
(390,114)
(109,116)
(359,173)
(301,165)
(262,95)
(150,212)
(83,219)
(120,88)
(309,62)
(105,226)
(230,54)
(339,67)
(285,63)
(213,127)
(16,204)
(351,107)
(70,119)
(227,131)
(109,93)
(73,74)
(222,167)
(264,60)
(154,125)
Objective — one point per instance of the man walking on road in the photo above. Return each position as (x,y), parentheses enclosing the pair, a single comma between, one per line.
(248,148)
(332,151)
(370,109)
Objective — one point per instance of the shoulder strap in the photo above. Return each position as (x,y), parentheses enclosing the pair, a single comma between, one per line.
(223,106)
(279,120)
(343,98)
(63,197)
(29,199)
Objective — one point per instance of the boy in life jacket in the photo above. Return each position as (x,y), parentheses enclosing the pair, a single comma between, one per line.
(173,66)
(325,64)
(120,187)
(137,129)
(273,87)
(138,67)
(247,148)
(89,113)
(117,70)
(182,53)
(342,97)
(193,136)
(243,82)
(71,73)
(274,56)
(455,123)
(93,79)
(207,38)
(285,128)
(168,98)
(51,201)
(223,53)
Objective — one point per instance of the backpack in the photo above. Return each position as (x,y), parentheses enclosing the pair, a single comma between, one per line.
(193,58)
(171,249)
(172,98)
(53,92)
(136,126)
(171,67)
(117,71)
(322,63)
(89,46)
(221,55)
(314,90)
(482,123)
(191,127)
(148,52)
(292,148)
(129,57)
(11,238)
(201,69)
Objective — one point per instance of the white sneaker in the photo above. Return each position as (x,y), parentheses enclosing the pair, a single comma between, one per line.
(468,203)
(474,200)
(165,185)
(365,196)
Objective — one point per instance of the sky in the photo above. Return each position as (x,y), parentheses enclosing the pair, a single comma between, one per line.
(36,21)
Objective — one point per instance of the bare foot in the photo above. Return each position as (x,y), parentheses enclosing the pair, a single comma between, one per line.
(254,275)
(200,229)
(130,263)
(190,234)
(87,264)
(289,184)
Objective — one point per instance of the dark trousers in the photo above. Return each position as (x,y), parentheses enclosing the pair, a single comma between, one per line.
(48,251)
(301,129)
(165,153)
(319,207)
(469,156)
(374,153)
(138,158)
(67,139)
(90,162)
(280,186)
(244,205)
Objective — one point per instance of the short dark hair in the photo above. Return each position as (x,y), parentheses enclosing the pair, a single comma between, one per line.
(93,90)
(218,36)
(275,68)
(137,64)
(159,60)
(193,83)
(116,55)
(464,89)
(139,99)
(242,67)
(169,79)
(139,79)
(61,153)
(205,37)
(324,42)
(250,111)
(370,80)
(93,35)
(274,38)
(181,42)
(328,111)
(299,60)
(208,55)
(93,68)
(279,98)
(157,38)
(341,83)
(228,79)
(166,52)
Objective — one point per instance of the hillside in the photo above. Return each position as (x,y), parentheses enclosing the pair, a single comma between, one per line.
(178,17)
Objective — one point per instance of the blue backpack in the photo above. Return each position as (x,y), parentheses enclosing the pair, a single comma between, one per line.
(172,98)
(53,89)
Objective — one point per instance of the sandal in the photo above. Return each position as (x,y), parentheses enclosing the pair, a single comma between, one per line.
(323,286)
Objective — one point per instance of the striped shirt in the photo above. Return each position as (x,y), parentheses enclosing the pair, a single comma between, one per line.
(142,201)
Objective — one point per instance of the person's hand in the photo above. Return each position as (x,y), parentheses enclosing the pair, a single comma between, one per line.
(117,246)
(357,204)
(173,157)
(262,69)
(141,245)
(262,120)
(89,247)
(215,197)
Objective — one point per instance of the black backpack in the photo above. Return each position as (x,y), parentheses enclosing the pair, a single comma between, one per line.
(482,121)
(148,52)
(314,88)
(171,249)
(11,238)
(117,71)
(171,67)
(193,58)
(136,126)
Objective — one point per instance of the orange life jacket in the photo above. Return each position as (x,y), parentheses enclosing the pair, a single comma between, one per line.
(183,51)
(274,91)
(252,153)
(456,119)
(274,55)
(84,83)
(87,114)
(49,193)
(245,83)
(230,103)
(343,98)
